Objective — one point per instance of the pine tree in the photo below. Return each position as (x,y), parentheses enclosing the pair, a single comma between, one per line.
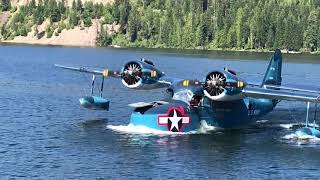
(280,32)
(239,28)
(270,38)
(187,34)
(79,6)
(5,5)
(202,31)
(312,31)
(124,15)
(133,24)
(104,39)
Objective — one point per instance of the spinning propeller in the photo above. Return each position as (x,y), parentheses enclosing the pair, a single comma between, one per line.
(132,73)
(215,83)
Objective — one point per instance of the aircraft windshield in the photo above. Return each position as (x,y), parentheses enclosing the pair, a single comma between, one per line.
(184,95)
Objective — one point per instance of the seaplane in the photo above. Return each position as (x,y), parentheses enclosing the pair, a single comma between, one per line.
(221,99)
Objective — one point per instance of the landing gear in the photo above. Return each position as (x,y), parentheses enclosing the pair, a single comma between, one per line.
(95,102)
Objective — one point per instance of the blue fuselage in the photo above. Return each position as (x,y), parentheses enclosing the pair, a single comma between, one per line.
(223,114)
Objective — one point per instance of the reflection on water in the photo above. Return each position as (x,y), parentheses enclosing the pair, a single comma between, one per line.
(100,122)
(45,134)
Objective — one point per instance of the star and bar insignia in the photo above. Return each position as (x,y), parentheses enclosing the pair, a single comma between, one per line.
(175,119)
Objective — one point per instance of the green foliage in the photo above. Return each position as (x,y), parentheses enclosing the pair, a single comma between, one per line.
(219,24)
(120,40)
(188,34)
(133,25)
(312,32)
(98,10)
(5,5)
(243,24)
(88,13)
(104,39)
(239,28)
(124,9)
(49,31)
(107,17)
(13,9)
(4,32)
(61,26)
(87,20)
(23,30)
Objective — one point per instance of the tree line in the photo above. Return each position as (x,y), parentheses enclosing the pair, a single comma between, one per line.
(206,24)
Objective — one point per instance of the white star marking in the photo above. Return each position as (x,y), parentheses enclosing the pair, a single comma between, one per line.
(174,120)
(164,120)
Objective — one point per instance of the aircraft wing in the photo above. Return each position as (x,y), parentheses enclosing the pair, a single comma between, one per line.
(282,93)
(103,73)
(135,75)
(299,88)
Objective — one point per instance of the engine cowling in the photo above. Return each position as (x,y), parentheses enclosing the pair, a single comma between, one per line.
(223,86)
(141,75)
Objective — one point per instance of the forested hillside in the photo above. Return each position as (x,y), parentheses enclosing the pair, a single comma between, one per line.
(204,24)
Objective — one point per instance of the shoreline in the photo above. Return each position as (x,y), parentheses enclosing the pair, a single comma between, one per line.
(11,42)
(45,44)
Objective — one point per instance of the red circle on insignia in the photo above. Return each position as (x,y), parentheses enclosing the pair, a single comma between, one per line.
(175,119)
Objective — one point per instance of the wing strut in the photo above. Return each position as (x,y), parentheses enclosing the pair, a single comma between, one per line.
(92,84)
(102,82)
(307,116)
(315,115)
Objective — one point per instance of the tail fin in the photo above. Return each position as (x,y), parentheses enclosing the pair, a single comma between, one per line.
(273,74)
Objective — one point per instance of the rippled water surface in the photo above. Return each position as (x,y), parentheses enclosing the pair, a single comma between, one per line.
(44,134)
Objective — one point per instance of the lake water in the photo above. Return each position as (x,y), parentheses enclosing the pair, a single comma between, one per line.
(45,134)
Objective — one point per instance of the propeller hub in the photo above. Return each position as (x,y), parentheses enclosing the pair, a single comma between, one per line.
(215,83)
(131,73)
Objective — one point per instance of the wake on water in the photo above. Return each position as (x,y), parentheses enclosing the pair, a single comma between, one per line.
(133,129)
(293,125)
(206,129)
(299,139)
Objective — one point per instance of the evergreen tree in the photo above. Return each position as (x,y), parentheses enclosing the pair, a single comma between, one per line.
(32,5)
(245,24)
(61,7)
(312,31)
(38,16)
(202,31)
(176,37)
(188,34)
(239,28)
(124,14)
(79,6)
(280,32)
(270,38)
(104,39)
(74,18)
(133,25)
(5,5)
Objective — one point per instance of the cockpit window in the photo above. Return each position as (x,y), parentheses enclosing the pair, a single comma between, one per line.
(184,95)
